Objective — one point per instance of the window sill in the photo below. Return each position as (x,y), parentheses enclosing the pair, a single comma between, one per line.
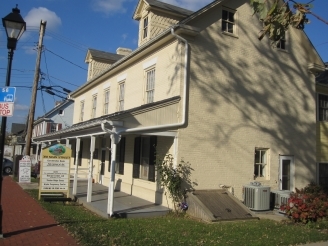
(282,50)
(230,34)
(261,179)
(144,181)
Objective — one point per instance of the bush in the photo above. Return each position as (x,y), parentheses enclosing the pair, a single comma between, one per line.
(307,205)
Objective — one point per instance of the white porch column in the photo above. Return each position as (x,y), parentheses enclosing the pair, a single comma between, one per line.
(110,205)
(67,142)
(77,150)
(92,149)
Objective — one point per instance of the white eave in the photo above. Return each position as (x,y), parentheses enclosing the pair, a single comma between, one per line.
(316,68)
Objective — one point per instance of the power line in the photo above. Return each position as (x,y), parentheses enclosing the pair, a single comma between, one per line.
(65,59)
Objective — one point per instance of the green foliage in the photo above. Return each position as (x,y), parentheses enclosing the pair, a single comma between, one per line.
(173,179)
(309,204)
(277,16)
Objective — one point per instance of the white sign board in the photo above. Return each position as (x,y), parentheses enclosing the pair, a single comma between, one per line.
(55,174)
(55,168)
(25,170)
(6,109)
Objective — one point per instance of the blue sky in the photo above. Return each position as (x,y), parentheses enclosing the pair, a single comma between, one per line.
(73,26)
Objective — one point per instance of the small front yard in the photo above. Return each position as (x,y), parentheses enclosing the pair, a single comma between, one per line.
(91,229)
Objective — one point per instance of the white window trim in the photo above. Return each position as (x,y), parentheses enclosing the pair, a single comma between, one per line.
(63,112)
(286,44)
(106,105)
(81,116)
(149,63)
(147,91)
(121,78)
(267,165)
(119,94)
(235,26)
(94,107)
(143,37)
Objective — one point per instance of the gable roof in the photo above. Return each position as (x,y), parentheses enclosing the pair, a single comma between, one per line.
(161,6)
(102,55)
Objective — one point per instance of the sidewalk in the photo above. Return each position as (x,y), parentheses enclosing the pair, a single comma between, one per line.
(25,223)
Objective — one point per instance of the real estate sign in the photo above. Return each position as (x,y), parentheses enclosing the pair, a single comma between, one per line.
(55,169)
(25,169)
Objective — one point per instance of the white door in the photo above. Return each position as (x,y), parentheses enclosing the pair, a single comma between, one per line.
(286,172)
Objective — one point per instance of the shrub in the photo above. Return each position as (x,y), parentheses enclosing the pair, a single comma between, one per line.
(174,179)
(307,205)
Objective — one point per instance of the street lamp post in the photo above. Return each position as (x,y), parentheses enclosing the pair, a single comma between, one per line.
(15,27)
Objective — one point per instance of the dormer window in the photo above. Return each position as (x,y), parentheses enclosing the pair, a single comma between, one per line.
(145,27)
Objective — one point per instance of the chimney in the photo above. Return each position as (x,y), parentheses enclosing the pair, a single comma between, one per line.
(123,51)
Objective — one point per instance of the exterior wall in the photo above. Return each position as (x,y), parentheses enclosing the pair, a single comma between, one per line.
(65,120)
(157,23)
(252,95)
(167,62)
(95,68)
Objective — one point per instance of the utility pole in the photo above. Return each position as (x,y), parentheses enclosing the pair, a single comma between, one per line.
(34,90)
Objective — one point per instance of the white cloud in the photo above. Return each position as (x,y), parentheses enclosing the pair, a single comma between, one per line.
(124,36)
(109,6)
(35,15)
(20,107)
(193,5)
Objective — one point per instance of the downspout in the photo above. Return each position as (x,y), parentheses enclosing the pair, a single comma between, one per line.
(184,108)
(184,119)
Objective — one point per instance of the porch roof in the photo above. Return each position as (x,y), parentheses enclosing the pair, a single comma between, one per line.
(93,126)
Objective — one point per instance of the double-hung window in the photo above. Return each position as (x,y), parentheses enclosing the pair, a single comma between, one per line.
(150,85)
(121,90)
(261,162)
(281,44)
(81,110)
(323,107)
(94,106)
(145,28)
(106,101)
(228,21)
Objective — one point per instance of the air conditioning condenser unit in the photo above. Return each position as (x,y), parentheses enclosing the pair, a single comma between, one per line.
(256,197)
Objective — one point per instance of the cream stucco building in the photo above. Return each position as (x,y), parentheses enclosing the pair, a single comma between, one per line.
(202,87)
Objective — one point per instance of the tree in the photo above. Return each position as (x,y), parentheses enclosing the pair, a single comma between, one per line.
(278,15)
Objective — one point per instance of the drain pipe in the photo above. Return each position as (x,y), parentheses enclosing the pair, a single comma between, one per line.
(185,80)
(116,133)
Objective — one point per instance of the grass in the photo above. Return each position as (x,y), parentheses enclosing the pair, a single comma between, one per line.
(91,229)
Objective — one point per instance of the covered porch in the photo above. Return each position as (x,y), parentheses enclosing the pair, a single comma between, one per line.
(125,205)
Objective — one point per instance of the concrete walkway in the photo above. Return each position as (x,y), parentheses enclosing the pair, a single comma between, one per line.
(25,223)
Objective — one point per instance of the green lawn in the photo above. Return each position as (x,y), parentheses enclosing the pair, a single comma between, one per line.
(91,229)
